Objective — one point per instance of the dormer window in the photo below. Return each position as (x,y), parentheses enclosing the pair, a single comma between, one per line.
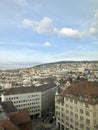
(97,98)
(81,97)
(94,99)
(86,98)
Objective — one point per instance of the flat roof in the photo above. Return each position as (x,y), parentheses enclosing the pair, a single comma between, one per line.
(21,90)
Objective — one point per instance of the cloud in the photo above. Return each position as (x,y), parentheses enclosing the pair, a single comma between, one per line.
(96,14)
(77,55)
(21,2)
(29,23)
(47,44)
(43,26)
(93,30)
(68,32)
(95,43)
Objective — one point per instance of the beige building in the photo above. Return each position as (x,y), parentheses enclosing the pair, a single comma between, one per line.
(38,100)
(76,108)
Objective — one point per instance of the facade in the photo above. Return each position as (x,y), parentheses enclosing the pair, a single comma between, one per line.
(76,108)
(34,99)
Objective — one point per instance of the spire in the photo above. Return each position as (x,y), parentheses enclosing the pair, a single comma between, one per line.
(57,92)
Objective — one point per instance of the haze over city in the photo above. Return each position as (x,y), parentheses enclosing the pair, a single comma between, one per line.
(42,31)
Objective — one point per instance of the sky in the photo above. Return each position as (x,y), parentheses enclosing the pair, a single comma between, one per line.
(44,31)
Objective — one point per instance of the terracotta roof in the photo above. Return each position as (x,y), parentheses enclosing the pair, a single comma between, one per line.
(19,90)
(83,90)
(19,120)
(8,106)
(7,125)
(20,117)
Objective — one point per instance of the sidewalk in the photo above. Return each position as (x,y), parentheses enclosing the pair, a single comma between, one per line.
(39,125)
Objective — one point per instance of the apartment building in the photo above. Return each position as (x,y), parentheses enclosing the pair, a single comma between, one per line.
(76,108)
(35,99)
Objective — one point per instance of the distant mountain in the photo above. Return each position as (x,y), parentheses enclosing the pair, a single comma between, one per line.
(65,62)
(16,65)
(20,65)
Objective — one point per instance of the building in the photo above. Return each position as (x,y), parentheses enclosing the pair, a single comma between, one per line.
(39,101)
(6,108)
(19,120)
(76,108)
(11,119)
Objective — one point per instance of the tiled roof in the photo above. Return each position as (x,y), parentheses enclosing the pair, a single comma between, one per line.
(19,120)
(8,106)
(19,90)
(20,117)
(7,125)
(83,90)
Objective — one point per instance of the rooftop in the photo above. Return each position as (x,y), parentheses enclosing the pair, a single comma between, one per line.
(83,90)
(7,125)
(19,120)
(31,89)
(8,106)
(20,117)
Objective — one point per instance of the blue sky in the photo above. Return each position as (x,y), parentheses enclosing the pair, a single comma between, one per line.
(41,31)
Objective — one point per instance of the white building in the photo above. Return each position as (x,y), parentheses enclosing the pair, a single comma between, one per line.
(36,99)
(76,108)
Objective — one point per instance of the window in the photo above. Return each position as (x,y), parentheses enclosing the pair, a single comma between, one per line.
(62,127)
(76,109)
(76,123)
(86,105)
(76,115)
(94,121)
(87,128)
(87,113)
(62,120)
(71,107)
(71,100)
(71,120)
(62,115)
(67,105)
(88,121)
(67,111)
(81,126)
(75,102)
(71,113)
(67,123)
(81,103)
(62,109)
(66,99)
(71,126)
(81,111)
(58,125)
(67,118)
(81,118)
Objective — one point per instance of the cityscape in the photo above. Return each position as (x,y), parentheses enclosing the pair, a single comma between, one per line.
(54,96)
(48,65)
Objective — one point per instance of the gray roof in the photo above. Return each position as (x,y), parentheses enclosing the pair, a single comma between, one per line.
(31,89)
